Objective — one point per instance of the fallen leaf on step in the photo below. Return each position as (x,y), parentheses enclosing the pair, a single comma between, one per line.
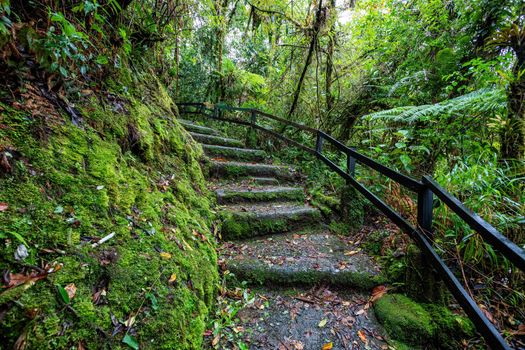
(71,290)
(351,252)
(360,312)
(377,293)
(328,346)
(297,345)
(362,336)
(322,323)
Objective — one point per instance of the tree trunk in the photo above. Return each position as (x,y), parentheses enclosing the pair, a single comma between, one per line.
(315,33)
(513,133)
(329,58)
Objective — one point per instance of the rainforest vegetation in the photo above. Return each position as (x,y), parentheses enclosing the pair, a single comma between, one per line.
(108,232)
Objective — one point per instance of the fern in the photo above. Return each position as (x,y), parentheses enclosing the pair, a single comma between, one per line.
(408,81)
(487,102)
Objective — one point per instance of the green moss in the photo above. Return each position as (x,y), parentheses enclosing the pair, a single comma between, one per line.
(134,172)
(404,319)
(244,225)
(428,325)
(259,273)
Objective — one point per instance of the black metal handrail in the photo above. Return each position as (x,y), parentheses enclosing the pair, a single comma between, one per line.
(425,190)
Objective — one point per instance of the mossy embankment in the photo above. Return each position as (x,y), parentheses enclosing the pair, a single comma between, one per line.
(127,167)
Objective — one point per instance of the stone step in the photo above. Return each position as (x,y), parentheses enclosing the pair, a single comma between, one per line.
(227,169)
(301,258)
(234,153)
(289,318)
(216,140)
(264,181)
(250,220)
(243,194)
(191,126)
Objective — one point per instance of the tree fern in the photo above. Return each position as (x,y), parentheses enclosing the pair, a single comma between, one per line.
(480,102)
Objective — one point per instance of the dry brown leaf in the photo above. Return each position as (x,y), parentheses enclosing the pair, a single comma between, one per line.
(351,252)
(328,346)
(215,340)
(377,293)
(360,312)
(487,314)
(362,336)
(71,290)
(3,206)
(297,345)
(520,331)
(16,279)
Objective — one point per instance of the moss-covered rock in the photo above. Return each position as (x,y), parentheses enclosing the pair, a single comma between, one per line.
(131,169)
(427,325)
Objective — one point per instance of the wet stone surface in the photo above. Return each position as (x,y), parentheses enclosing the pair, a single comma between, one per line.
(300,252)
(309,319)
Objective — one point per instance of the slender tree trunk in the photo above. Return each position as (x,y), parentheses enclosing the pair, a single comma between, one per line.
(177,58)
(513,133)
(330,57)
(315,33)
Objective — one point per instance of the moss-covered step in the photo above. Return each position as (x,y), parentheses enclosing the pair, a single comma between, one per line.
(422,325)
(250,220)
(304,258)
(215,140)
(227,169)
(244,194)
(191,126)
(234,153)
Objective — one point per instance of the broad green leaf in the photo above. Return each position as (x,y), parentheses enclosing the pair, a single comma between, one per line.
(130,341)
(63,294)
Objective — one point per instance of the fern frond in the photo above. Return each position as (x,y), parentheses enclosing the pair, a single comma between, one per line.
(480,102)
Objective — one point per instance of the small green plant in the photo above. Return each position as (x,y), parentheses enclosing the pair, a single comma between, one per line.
(5,22)
(64,47)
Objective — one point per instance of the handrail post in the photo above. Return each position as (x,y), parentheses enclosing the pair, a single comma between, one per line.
(425,199)
(251,134)
(350,165)
(319,144)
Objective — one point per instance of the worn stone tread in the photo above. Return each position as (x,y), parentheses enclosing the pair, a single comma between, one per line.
(216,140)
(289,319)
(234,153)
(242,193)
(265,180)
(229,169)
(306,258)
(257,219)
(191,126)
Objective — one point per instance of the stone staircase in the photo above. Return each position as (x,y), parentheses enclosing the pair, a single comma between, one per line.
(273,239)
